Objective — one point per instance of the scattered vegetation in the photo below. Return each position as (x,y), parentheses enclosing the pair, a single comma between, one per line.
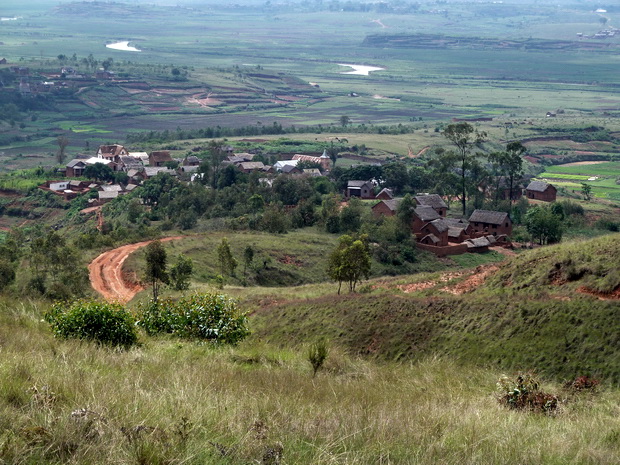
(524,393)
(99,322)
(211,317)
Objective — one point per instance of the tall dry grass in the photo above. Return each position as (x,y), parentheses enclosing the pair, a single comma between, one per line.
(172,402)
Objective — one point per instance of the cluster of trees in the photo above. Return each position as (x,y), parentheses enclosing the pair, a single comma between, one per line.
(14,107)
(264,129)
(47,264)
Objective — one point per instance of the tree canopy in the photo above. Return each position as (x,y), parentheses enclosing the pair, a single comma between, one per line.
(156,262)
(350,261)
(465,138)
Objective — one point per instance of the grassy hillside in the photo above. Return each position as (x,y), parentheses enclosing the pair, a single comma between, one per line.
(168,402)
(524,317)
(593,265)
(296,258)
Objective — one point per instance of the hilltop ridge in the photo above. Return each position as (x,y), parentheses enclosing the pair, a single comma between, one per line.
(527,316)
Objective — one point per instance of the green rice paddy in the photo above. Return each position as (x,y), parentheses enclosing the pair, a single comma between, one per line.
(571,176)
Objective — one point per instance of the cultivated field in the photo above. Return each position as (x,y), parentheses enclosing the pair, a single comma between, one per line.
(602,177)
(244,66)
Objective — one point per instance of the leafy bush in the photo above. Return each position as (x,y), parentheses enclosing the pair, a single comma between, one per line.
(213,317)
(101,322)
(571,208)
(607,224)
(523,393)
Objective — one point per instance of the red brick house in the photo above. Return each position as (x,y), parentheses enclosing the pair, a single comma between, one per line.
(159,158)
(484,222)
(437,228)
(540,190)
(385,208)
(423,215)
(75,168)
(385,194)
(432,200)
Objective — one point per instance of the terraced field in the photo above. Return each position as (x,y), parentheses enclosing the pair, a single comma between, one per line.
(602,176)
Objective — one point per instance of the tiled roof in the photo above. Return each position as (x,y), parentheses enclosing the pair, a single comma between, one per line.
(431,200)
(73,163)
(434,239)
(358,184)
(440,224)
(309,158)
(112,150)
(538,186)
(488,217)
(426,213)
(251,165)
(161,155)
(478,242)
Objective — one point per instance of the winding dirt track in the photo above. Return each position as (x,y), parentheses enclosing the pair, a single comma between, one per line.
(106,273)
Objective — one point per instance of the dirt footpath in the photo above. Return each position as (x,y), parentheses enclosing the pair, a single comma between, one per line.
(106,273)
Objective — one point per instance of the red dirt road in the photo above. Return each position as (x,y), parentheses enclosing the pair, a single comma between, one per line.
(106,273)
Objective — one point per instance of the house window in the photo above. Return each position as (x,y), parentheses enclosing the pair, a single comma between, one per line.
(506,224)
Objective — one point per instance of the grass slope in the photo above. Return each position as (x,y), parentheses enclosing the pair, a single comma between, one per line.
(520,319)
(172,402)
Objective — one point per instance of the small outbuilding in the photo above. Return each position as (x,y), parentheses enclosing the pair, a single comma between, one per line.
(541,190)
(361,189)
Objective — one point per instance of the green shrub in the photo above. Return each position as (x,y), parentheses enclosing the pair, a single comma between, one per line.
(212,317)
(101,322)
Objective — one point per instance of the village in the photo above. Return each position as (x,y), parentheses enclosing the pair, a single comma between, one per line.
(434,230)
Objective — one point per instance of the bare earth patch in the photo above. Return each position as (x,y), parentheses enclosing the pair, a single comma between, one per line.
(582,163)
(290,260)
(477,278)
(615,295)
(107,277)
